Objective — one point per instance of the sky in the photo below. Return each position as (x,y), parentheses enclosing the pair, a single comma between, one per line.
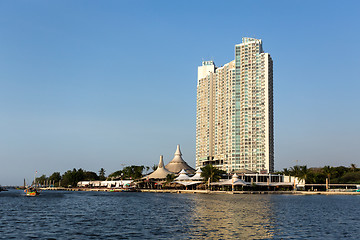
(106,84)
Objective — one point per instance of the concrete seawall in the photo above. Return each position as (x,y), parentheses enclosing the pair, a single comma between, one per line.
(206,191)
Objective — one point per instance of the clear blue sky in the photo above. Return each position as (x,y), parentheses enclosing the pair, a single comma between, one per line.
(96,84)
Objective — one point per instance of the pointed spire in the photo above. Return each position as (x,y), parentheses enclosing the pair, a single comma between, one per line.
(161,162)
(178,152)
(160,173)
(177,163)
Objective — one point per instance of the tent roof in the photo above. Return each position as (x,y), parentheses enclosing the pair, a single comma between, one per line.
(183,176)
(188,183)
(197,175)
(231,182)
(160,173)
(177,163)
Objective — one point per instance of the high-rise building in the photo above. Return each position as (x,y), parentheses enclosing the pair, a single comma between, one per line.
(234,122)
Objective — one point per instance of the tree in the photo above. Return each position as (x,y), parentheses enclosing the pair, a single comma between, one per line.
(286,171)
(71,178)
(42,179)
(116,174)
(55,177)
(90,176)
(304,173)
(353,167)
(295,171)
(154,167)
(351,177)
(327,170)
(170,178)
(212,173)
(102,174)
(133,172)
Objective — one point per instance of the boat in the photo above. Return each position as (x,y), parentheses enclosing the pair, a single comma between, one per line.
(2,189)
(125,188)
(31,191)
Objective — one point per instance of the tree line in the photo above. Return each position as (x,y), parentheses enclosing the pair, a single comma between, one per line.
(72,177)
(314,175)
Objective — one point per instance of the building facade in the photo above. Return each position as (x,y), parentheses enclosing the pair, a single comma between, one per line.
(234,122)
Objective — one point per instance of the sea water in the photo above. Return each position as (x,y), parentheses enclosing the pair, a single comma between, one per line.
(132,215)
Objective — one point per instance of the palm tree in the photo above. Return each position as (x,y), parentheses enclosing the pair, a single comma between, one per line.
(170,178)
(295,170)
(286,171)
(212,173)
(154,167)
(353,167)
(102,174)
(304,173)
(328,171)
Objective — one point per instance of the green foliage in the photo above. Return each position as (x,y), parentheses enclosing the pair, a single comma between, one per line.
(353,167)
(154,167)
(71,178)
(350,177)
(90,176)
(209,171)
(130,172)
(170,178)
(339,174)
(133,172)
(102,174)
(56,177)
(42,179)
(116,174)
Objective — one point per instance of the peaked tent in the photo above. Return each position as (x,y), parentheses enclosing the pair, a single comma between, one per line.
(177,164)
(233,181)
(160,173)
(197,175)
(182,176)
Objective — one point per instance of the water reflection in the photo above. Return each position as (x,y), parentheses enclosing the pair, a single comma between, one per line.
(230,216)
(105,215)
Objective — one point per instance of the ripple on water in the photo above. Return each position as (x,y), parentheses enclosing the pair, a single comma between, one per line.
(104,215)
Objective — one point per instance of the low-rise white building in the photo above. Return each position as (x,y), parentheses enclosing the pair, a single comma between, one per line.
(107,184)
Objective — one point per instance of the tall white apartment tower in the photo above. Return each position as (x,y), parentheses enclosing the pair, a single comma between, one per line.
(234,122)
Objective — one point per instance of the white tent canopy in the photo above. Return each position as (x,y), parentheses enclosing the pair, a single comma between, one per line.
(160,173)
(182,176)
(188,183)
(197,175)
(233,181)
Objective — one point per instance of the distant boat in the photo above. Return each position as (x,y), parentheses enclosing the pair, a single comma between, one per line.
(31,191)
(125,188)
(2,189)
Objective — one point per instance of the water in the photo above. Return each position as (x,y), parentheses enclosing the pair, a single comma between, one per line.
(116,215)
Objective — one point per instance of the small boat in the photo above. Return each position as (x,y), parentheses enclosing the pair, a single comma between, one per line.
(125,188)
(31,191)
(2,189)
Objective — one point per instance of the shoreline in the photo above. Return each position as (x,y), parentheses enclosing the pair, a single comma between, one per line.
(175,191)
